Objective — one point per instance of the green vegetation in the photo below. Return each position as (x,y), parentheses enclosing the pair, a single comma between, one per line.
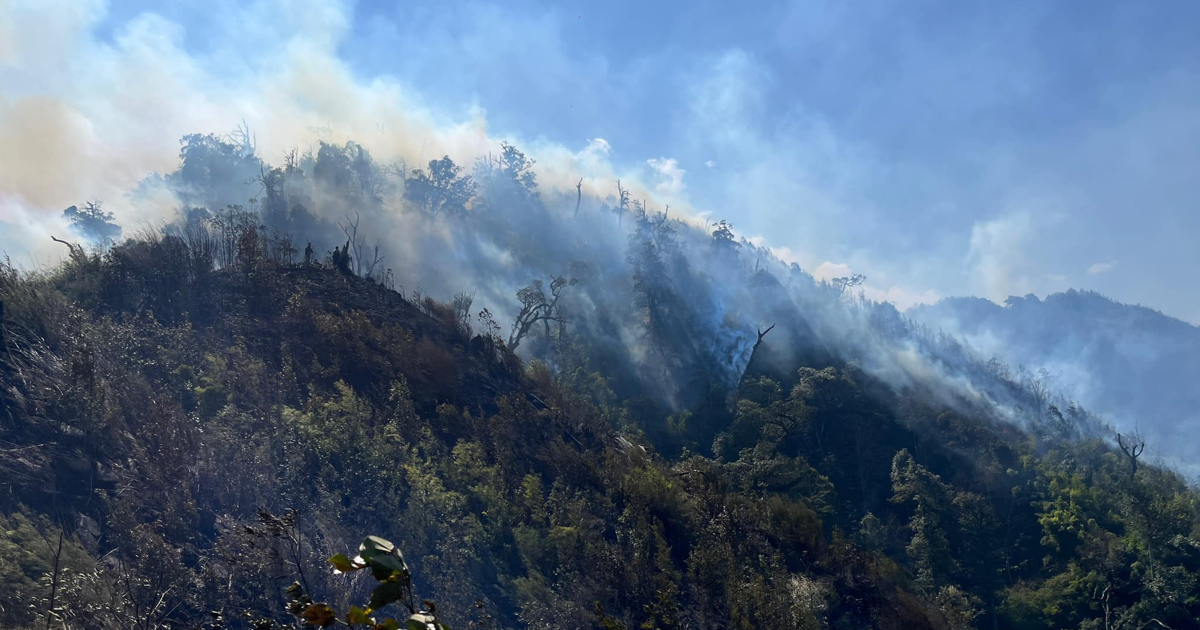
(193,425)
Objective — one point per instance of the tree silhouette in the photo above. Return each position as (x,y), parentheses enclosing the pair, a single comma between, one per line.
(442,190)
(1132,445)
(854,280)
(93,222)
(536,307)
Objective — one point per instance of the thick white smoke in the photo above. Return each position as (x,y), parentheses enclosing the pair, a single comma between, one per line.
(92,108)
(83,116)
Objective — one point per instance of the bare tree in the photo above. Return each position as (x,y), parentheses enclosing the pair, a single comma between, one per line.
(291,160)
(55,574)
(142,601)
(537,307)
(1038,386)
(761,333)
(578,195)
(398,168)
(1132,445)
(490,332)
(350,229)
(363,266)
(76,251)
(246,140)
(285,531)
(1145,512)
(283,251)
(623,204)
(368,268)
(462,311)
(1105,600)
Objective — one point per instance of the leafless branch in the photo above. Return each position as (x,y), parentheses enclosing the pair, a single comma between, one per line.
(1132,445)
(761,333)
(578,195)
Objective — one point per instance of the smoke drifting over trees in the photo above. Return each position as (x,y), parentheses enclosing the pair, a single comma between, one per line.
(678,304)
(1133,365)
(677,301)
(571,394)
(93,223)
(704,415)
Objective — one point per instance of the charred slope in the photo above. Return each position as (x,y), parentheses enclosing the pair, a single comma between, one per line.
(132,330)
(154,408)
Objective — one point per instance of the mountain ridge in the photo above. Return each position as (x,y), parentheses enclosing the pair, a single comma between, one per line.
(1134,365)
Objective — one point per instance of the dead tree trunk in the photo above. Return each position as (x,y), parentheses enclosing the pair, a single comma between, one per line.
(761,333)
(75,249)
(1132,446)
(1139,502)
(55,552)
(622,203)
(578,195)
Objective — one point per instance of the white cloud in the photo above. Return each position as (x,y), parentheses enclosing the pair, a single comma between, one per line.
(592,160)
(598,147)
(830,270)
(1101,267)
(668,176)
(901,297)
(786,254)
(710,164)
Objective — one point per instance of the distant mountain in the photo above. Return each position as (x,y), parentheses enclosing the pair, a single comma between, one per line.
(1130,364)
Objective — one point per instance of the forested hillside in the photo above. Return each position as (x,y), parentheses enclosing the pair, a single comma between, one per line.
(604,417)
(1134,364)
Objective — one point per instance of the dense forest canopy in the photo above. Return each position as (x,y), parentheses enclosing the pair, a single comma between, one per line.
(565,411)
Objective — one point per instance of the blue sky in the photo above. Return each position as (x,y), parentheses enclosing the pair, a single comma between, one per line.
(942,148)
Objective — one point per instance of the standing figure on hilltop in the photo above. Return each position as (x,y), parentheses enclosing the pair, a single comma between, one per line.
(308,254)
(341,258)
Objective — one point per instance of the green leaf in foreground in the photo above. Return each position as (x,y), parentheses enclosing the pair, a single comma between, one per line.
(319,615)
(343,564)
(384,594)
